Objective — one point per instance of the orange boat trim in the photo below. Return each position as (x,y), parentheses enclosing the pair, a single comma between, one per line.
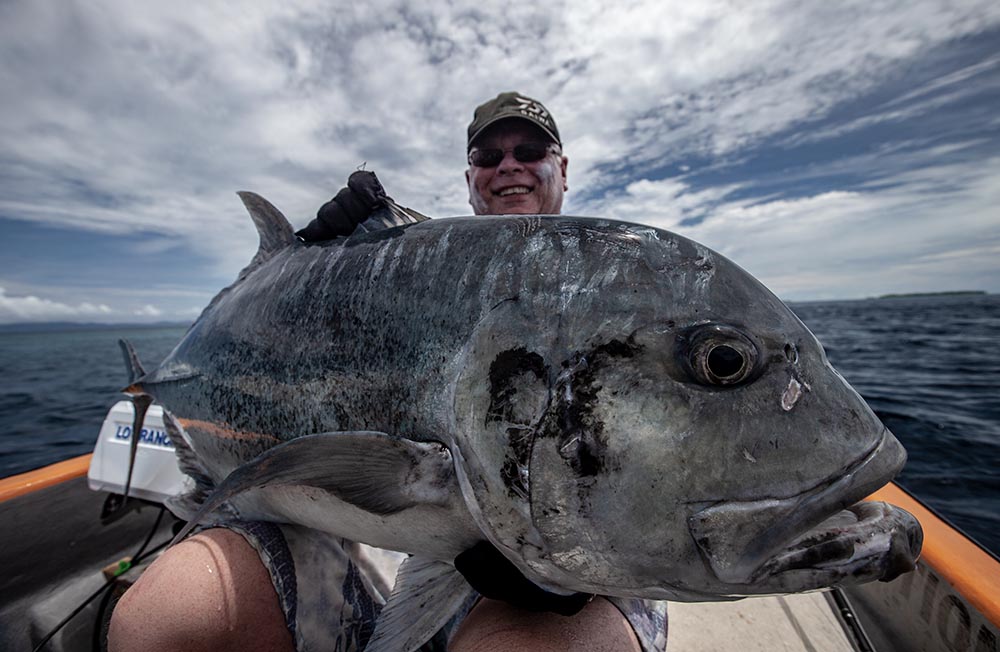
(973,573)
(25,483)
(221,432)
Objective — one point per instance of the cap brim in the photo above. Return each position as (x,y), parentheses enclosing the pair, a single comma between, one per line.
(511,116)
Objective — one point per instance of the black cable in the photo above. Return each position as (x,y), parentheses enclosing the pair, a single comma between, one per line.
(98,632)
(135,559)
(149,537)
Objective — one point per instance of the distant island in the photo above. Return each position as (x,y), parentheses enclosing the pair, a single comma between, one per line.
(953,293)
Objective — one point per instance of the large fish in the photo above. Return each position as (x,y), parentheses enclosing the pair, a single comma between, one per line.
(617,409)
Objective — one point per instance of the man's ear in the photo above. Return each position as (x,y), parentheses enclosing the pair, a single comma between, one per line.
(468,186)
(564,163)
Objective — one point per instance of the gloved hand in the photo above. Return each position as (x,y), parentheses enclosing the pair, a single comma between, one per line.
(350,207)
(493,576)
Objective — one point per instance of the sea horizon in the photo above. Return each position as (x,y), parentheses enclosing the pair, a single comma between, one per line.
(58,326)
(926,364)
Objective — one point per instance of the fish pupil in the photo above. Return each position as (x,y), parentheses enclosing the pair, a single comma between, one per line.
(725,361)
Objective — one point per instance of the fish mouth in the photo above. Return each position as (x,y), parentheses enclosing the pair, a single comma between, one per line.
(817,538)
(867,541)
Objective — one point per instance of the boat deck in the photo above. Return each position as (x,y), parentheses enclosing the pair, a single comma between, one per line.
(792,623)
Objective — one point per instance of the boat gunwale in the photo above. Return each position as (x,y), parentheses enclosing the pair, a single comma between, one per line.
(28,482)
(970,569)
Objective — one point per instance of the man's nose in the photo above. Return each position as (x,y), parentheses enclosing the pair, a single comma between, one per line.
(509,164)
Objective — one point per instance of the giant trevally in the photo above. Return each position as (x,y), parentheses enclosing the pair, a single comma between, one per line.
(617,409)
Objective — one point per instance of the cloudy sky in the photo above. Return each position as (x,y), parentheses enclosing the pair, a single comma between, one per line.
(835,150)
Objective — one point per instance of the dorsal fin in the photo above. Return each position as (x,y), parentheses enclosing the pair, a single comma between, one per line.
(132,364)
(274,230)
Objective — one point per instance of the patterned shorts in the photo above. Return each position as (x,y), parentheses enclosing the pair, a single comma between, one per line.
(332,590)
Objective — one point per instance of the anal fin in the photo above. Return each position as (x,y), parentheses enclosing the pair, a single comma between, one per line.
(426,595)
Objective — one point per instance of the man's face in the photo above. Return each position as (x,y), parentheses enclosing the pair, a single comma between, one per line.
(513,187)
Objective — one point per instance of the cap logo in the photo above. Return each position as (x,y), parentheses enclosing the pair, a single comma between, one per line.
(532,109)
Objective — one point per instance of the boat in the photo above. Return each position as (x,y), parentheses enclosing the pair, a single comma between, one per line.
(67,556)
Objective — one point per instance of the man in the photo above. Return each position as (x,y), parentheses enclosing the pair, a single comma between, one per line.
(515,159)
(229,588)
(515,167)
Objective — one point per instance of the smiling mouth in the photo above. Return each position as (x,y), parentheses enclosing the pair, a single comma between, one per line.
(515,190)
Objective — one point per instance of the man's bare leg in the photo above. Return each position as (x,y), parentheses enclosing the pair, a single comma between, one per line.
(493,626)
(210,592)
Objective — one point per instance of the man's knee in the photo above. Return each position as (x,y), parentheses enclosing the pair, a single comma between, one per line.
(493,625)
(209,592)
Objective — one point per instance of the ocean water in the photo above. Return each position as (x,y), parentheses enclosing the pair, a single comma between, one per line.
(930,369)
(56,388)
(928,366)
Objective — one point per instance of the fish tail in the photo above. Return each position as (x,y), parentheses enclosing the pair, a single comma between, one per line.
(140,402)
(132,364)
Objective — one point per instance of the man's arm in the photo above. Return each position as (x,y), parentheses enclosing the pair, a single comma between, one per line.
(350,207)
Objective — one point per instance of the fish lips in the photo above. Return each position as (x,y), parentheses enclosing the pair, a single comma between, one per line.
(810,540)
(867,541)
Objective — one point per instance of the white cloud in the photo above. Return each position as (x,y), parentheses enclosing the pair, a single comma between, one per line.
(31,308)
(148,310)
(919,230)
(132,117)
(38,302)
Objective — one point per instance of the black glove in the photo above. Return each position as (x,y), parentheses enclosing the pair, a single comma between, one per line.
(492,574)
(352,206)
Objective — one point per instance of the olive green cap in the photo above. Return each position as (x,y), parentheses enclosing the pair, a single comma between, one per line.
(512,105)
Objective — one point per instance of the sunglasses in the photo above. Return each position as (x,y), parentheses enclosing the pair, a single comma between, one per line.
(523,153)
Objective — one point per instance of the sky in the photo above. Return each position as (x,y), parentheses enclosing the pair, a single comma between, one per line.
(834,150)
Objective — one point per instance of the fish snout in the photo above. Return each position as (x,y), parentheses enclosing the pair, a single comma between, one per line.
(748,542)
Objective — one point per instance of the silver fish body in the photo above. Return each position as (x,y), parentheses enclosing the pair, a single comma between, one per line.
(618,409)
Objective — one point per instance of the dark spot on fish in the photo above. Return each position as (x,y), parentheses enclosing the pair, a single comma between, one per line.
(515,465)
(505,370)
(703,264)
(617,348)
(503,301)
(572,421)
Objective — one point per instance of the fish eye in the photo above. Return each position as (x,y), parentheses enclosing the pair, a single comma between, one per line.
(725,362)
(719,355)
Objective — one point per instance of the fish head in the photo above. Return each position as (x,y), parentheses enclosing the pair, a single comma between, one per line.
(658,424)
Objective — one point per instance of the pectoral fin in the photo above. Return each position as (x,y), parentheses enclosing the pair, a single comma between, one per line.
(426,595)
(373,471)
